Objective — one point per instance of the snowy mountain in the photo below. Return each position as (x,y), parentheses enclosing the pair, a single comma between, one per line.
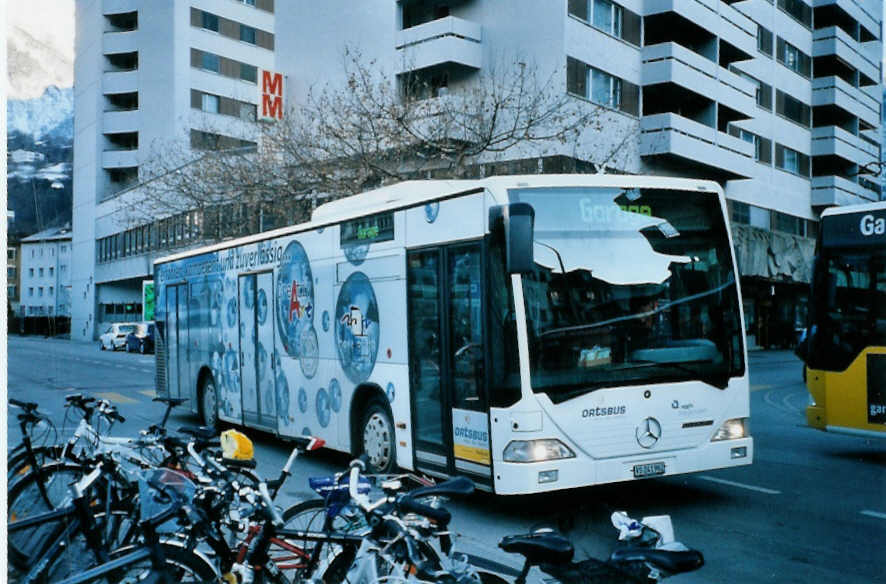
(50,114)
(39,133)
(40,137)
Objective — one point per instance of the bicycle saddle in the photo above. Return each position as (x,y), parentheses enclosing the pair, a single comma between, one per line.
(668,561)
(540,547)
(204,433)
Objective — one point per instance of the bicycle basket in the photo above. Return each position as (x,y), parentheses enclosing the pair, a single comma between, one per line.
(175,489)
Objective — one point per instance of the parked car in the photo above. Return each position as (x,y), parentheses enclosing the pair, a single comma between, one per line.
(141,340)
(115,337)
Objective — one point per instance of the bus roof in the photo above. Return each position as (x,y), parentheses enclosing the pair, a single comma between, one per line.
(861,208)
(416,192)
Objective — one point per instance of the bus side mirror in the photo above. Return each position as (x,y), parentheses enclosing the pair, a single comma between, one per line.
(515,222)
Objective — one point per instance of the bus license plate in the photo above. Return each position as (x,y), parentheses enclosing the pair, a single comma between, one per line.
(649,469)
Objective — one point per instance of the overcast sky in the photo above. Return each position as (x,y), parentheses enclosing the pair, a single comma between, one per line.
(52,22)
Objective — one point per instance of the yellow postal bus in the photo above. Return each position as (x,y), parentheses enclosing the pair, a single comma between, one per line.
(845,353)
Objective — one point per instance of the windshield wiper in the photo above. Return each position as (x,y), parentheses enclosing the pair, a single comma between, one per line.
(720,381)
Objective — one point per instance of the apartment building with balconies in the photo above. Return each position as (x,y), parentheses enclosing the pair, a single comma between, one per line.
(151,77)
(778,100)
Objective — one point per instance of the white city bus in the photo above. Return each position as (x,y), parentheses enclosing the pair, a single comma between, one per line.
(531,332)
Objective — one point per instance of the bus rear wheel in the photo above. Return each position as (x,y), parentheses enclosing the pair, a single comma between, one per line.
(209,402)
(377,438)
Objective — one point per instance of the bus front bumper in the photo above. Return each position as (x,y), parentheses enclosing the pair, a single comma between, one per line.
(513,478)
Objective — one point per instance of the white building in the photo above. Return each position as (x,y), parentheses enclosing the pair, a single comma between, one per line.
(777,99)
(148,75)
(45,273)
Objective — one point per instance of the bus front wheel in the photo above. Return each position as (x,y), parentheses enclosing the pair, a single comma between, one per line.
(209,402)
(377,438)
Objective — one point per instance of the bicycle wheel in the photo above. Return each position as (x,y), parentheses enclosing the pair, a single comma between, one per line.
(18,464)
(183,566)
(117,529)
(25,500)
(330,561)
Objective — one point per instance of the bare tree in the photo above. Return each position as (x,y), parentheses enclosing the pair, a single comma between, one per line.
(370,131)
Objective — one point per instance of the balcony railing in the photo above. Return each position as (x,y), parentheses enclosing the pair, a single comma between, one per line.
(836,190)
(835,91)
(673,63)
(445,40)
(670,133)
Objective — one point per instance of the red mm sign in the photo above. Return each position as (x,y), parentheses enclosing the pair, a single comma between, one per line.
(271,96)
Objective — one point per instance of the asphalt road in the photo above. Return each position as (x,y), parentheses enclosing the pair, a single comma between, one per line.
(812,507)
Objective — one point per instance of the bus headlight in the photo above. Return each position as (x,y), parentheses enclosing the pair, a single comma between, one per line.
(732,430)
(536,450)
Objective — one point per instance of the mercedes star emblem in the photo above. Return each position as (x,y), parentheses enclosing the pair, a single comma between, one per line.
(648,432)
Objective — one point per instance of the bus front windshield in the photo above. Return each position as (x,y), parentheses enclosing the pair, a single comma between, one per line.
(630,287)
(849,309)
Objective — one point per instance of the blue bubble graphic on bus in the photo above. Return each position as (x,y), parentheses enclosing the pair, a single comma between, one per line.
(302,400)
(335,395)
(357,327)
(306,431)
(295,298)
(325,321)
(282,398)
(309,357)
(262,306)
(323,407)
(431,211)
(389,391)
(356,252)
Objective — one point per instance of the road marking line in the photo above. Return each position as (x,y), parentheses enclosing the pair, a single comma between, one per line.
(741,485)
(116,397)
(876,514)
(759,387)
(148,392)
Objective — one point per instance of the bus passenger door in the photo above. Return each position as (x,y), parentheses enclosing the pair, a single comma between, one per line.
(172,341)
(256,351)
(447,361)
(177,341)
(264,358)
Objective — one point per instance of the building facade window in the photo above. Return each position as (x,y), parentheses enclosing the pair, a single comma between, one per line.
(10,253)
(608,17)
(30,292)
(248,72)
(31,272)
(793,58)
(209,21)
(10,271)
(40,291)
(764,40)
(601,87)
(741,212)
(791,161)
(792,109)
(51,290)
(799,10)
(210,62)
(51,272)
(247,34)
(10,292)
(209,103)
(41,272)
